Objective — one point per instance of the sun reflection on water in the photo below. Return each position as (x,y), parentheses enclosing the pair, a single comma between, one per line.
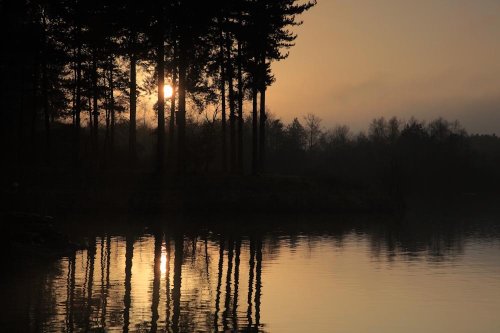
(176,284)
(163,261)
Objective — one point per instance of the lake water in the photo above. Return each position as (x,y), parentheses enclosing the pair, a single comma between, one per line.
(334,276)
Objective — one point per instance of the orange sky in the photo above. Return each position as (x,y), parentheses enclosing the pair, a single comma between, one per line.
(359,59)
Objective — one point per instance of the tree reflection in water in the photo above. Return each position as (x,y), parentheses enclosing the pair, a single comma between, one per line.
(209,282)
(129,254)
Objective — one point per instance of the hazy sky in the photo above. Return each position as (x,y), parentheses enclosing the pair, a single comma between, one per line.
(359,59)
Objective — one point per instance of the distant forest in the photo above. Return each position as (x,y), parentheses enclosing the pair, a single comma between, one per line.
(70,89)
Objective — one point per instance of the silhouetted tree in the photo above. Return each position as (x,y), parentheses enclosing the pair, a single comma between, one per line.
(313,129)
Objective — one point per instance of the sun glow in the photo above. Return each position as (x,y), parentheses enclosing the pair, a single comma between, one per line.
(168,90)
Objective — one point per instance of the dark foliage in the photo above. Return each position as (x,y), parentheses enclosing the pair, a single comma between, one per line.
(70,91)
(76,62)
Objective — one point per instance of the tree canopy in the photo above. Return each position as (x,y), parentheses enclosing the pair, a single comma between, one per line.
(76,62)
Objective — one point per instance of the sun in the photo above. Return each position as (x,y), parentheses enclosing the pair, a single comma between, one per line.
(168,90)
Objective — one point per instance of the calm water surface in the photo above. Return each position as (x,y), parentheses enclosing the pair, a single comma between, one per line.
(395,278)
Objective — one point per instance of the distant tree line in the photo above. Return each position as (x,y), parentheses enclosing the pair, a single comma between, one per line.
(69,67)
(398,156)
(69,96)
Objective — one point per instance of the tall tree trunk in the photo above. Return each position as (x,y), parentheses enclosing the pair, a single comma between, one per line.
(133,107)
(73,96)
(107,115)
(78,101)
(223,102)
(91,121)
(46,111)
(171,130)
(262,119)
(181,114)
(161,83)
(95,98)
(112,111)
(262,130)
(45,92)
(78,97)
(20,142)
(230,80)
(255,131)
(34,114)
(240,110)
(111,107)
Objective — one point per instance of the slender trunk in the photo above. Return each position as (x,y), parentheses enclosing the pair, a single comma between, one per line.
(161,96)
(262,118)
(255,131)
(171,130)
(78,97)
(34,113)
(95,98)
(223,103)
(112,121)
(240,110)
(73,96)
(91,122)
(230,80)
(111,105)
(46,111)
(20,126)
(181,115)
(133,107)
(107,117)
(262,130)
(45,92)
(78,102)
(107,112)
